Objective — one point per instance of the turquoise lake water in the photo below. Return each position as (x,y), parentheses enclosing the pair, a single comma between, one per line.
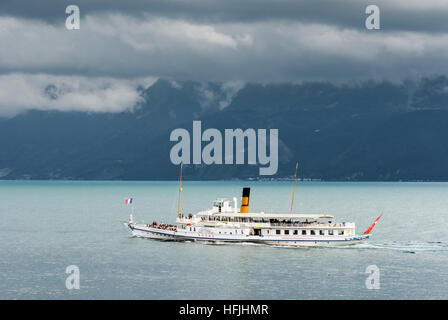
(47,226)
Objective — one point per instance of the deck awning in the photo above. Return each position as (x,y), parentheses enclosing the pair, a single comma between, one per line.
(273,215)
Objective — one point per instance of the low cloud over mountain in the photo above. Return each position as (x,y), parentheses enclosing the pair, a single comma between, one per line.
(349,103)
(373,131)
(254,41)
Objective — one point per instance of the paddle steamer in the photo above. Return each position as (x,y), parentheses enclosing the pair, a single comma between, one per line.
(224,222)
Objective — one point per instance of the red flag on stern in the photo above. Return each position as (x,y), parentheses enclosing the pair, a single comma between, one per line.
(372,225)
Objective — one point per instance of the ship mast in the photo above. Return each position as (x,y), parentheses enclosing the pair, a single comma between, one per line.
(294,188)
(180,188)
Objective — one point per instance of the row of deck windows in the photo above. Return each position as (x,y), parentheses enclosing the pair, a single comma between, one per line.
(307,232)
(292,232)
(285,232)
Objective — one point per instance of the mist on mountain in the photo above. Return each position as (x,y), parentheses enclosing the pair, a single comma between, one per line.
(378,131)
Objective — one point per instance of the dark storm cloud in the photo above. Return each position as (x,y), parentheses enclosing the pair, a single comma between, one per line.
(410,15)
(118,45)
(123,45)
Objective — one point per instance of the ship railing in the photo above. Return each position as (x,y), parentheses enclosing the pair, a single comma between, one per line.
(308,224)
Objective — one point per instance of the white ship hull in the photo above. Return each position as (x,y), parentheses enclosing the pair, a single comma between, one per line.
(223,223)
(144,231)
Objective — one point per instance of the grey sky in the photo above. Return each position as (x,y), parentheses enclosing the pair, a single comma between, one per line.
(128,42)
(411,15)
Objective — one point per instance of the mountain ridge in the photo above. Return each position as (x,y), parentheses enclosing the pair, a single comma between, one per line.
(376,131)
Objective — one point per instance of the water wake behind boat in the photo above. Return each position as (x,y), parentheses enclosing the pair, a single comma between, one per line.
(406,247)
